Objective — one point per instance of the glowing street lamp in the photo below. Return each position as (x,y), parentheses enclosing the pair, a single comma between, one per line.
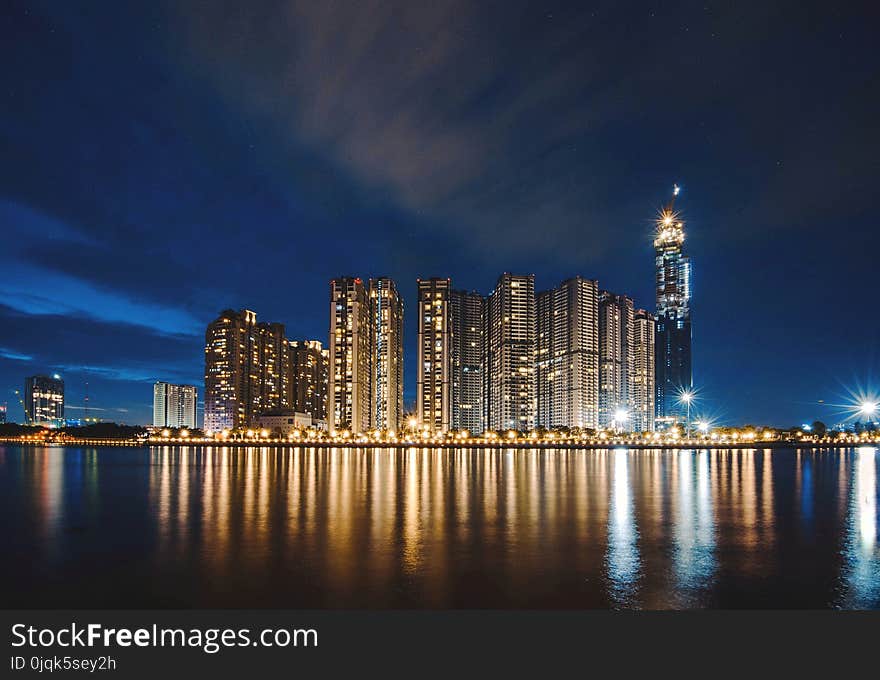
(621,415)
(686,397)
(868,408)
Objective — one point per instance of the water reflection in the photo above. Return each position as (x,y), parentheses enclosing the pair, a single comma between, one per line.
(307,527)
(694,535)
(623,551)
(860,577)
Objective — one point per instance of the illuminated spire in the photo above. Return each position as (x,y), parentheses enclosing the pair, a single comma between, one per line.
(670,227)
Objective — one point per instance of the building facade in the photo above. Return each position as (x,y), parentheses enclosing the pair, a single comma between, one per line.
(567,362)
(308,378)
(435,362)
(246,367)
(44,400)
(509,354)
(348,387)
(466,389)
(174,405)
(615,360)
(386,355)
(674,371)
(642,375)
(285,421)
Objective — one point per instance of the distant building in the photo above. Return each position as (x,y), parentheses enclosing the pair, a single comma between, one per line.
(246,370)
(386,355)
(308,379)
(567,364)
(44,400)
(642,388)
(509,354)
(435,345)
(615,359)
(174,405)
(466,393)
(674,373)
(2,414)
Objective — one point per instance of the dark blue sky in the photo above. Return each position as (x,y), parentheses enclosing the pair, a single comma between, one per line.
(162,161)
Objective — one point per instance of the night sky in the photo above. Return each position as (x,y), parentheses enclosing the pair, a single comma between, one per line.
(161,162)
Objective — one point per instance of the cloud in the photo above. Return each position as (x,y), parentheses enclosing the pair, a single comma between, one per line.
(14,356)
(450,109)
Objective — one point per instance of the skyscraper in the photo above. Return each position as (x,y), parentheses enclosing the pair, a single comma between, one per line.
(44,400)
(386,356)
(673,332)
(466,313)
(308,378)
(615,359)
(349,372)
(642,388)
(434,369)
(245,370)
(509,354)
(567,364)
(174,405)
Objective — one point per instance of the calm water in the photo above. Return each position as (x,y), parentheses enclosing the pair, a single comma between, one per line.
(264,527)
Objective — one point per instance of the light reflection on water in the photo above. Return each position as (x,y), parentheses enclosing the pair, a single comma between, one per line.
(306,527)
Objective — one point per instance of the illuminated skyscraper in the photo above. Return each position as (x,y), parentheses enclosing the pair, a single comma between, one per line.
(350,346)
(615,360)
(567,365)
(509,354)
(246,369)
(434,376)
(466,311)
(308,378)
(386,355)
(44,400)
(174,405)
(642,375)
(673,333)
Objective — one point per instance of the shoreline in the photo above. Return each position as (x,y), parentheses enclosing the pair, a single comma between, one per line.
(477,445)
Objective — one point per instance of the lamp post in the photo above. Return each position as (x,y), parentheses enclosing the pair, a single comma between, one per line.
(687,397)
(868,409)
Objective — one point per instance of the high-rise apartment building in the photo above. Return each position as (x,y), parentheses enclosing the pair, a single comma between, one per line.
(349,388)
(308,378)
(642,375)
(673,329)
(466,313)
(274,368)
(174,405)
(615,359)
(435,362)
(44,400)
(567,362)
(386,356)
(246,367)
(509,354)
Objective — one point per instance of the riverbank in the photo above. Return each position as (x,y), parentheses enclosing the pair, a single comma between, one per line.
(469,444)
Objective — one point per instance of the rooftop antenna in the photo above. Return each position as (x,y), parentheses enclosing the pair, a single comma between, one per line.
(86,409)
(675,191)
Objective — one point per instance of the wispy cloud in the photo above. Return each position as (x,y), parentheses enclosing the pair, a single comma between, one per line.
(13,355)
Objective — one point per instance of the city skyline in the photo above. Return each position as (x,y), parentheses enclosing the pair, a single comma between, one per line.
(185,170)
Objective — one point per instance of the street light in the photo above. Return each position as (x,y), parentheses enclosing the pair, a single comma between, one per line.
(868,408)
(687,396)
(621,415)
